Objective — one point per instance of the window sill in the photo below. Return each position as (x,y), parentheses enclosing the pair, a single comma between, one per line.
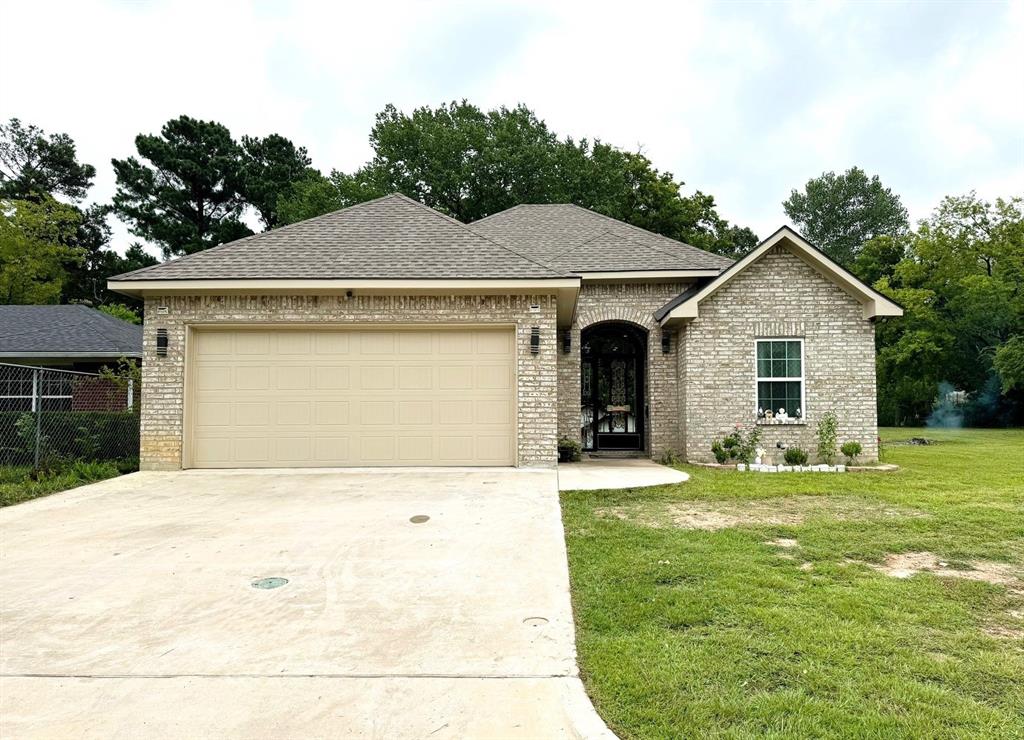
(773,423)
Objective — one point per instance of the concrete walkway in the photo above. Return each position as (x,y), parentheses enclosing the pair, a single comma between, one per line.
(592,475)
(128,608)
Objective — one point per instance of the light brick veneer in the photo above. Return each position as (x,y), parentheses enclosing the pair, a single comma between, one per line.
(163,377)
(778,296)
(635,303)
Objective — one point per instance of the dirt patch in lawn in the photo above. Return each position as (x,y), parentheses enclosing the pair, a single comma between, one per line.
(907,564)
(786,510)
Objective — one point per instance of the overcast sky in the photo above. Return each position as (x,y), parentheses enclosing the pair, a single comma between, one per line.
(742,100)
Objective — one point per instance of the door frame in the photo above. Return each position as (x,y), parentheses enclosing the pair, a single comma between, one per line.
(640,337)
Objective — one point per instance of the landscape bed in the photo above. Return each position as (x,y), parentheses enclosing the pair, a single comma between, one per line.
(810,605)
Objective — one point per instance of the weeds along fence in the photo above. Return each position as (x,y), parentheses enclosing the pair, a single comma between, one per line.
(49,417)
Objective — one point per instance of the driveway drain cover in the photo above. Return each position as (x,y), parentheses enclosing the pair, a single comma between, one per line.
(419,519)
(269,582)
(535,621)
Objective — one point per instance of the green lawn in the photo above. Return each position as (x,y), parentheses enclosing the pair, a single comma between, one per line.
(17,483)
(689,632)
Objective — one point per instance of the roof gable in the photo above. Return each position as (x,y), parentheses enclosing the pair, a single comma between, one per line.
(393,237)
(577,239)
(76,330)
(685,307)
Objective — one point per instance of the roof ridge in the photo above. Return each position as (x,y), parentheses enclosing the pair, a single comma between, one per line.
(586,241)
(179,260)
(477,234)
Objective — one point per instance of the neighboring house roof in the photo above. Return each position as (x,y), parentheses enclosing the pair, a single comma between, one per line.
(66,331)
(389,238)
(579,240)
(684,307)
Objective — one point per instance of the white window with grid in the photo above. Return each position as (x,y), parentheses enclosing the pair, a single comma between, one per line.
(780,379)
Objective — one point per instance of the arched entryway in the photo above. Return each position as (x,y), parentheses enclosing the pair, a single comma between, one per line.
(613,364)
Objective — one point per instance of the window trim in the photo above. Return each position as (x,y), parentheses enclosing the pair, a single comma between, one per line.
(802,379)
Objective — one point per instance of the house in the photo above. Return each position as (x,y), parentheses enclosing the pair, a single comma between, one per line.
(75,338)
(390,334)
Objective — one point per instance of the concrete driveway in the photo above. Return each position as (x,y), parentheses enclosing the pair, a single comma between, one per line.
(128,607)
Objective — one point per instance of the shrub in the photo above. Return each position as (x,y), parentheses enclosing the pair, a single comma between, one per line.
(739,446)
(569,450)
(731,443)
(851,449)
(748,444)
(73,435)
(828,429)
(794,456)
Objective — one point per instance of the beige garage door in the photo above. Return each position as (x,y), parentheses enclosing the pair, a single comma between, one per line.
(341,397)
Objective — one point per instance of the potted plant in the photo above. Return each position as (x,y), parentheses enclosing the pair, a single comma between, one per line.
(569,450)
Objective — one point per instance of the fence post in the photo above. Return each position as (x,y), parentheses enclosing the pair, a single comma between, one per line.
(37,404)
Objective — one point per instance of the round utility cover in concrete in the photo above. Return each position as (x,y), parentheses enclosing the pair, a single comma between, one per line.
(419,519)
(269,582)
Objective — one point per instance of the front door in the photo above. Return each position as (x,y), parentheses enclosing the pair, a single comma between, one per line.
(612,384)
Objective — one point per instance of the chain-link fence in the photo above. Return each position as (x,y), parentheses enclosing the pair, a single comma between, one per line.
(51,416)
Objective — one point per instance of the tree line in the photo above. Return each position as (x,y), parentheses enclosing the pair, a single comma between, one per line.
(193,185)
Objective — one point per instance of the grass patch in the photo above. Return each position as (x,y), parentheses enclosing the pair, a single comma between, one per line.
(780,618)
(19,483)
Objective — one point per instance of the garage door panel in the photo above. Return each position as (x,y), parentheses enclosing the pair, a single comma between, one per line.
(294,412)
(331,450)
(411,413)
(331,343)
(251,378)
(252,343)
(292,378)
(333,377)
(350,396)
(332,413)
(415,378)
(494,377)
(414,450)
(376,378)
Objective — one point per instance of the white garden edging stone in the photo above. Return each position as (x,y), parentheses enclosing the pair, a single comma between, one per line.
(754,468)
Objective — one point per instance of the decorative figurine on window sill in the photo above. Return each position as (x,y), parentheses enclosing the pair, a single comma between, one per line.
(782,416)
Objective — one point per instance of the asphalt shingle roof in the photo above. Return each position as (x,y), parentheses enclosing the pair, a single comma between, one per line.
(393,237)
(59,330)
(576,239)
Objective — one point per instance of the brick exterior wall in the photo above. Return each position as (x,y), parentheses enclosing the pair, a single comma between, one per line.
(98,394)
(163,377)
(634,303)
(778,296)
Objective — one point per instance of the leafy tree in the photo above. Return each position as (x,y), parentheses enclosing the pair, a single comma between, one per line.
(1009,363)
(961,283)
(315,195)
(878,257)
(469,163)
(96,262)
(34,238)
(185,196)
(839,213)
(121,311)
(269,168)
(34,165)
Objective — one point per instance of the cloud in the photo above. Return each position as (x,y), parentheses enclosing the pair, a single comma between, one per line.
(742,100)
